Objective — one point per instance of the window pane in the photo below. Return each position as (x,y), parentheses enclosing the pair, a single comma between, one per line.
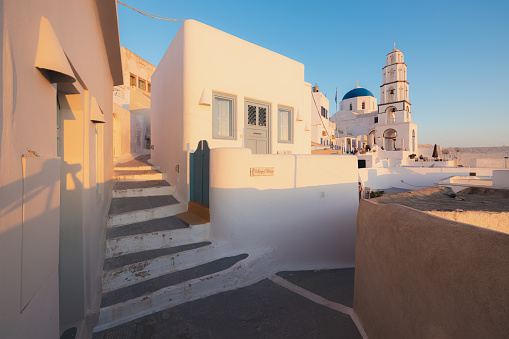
(141,84)
(251,115)
(262,116)
(284,125)
(223,117)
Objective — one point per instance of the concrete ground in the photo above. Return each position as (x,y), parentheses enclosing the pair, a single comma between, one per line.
(302,304)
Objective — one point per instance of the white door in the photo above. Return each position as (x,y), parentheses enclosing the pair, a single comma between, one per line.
(257,127)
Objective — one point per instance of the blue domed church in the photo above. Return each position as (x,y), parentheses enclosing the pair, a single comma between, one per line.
(360,121)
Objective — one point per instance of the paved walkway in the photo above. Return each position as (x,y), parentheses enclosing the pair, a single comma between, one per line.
(303,304)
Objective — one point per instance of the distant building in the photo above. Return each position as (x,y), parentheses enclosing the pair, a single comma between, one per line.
(322,130)
(131,123)
(359,122)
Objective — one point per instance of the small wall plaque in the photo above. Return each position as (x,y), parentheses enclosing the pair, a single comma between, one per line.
(261,171)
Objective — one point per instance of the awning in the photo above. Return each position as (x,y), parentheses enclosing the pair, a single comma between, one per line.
(51,59)
(96,113)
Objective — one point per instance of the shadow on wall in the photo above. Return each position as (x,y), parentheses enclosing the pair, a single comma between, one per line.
(417,275)
(30,212)
(308,227)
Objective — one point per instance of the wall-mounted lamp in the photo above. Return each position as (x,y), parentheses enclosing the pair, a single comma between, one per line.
(206,97)
(307,127)
(96,113)
(299,116)
(51,59)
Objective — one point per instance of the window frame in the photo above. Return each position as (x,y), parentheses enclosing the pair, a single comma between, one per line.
(233,116)
(140,80)
(290,124)
(131,77)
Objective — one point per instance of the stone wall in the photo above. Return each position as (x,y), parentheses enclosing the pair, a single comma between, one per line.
(421,276)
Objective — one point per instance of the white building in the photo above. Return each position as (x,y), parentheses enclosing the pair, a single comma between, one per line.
(60,61)
(390,126)
(322,129)
(213,86)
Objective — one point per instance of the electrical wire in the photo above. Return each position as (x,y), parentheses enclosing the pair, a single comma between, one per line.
(150,15)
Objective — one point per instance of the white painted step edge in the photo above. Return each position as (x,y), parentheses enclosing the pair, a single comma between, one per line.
(134,168)
(150,241)
(140,177)
(153,268)
(246,272)
(144,192)
(122,219)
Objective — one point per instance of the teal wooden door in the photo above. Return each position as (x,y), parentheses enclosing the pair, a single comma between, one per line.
(199,164)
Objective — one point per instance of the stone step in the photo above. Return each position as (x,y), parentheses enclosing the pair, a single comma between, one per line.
(139,215)
(145,270)
(134,168)
(141,160)
(131,204)
(127,189)
(128,259)
(149,241)
(138,175)
(148,226)
(151,285)
(235,273)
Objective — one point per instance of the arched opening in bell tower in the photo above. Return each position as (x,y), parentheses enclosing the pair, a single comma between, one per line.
(390,139)
(391,94)
(391,115)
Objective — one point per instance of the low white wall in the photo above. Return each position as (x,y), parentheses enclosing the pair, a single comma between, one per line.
(413,177)
(501,178)
(304,211)
(489,163)
(449,163)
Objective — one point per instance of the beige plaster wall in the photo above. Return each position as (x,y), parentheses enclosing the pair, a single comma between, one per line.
(420,276)
(136,65)
(29,120)
(497,221)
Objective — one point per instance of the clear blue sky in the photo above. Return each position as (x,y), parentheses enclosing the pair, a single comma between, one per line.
(457,52)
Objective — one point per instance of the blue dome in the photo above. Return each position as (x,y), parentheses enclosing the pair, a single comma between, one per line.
(358,92)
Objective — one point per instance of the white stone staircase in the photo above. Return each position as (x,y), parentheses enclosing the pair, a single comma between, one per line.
(155,260)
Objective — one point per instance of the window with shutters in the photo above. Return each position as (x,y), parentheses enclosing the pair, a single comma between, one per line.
(285,125)
(223,116)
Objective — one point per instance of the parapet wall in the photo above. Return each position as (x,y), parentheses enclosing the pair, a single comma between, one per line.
(293,204)
(421,276)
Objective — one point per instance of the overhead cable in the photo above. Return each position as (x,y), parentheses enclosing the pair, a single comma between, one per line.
(150,15)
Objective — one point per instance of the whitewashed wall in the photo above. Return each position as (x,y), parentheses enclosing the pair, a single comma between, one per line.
(69,286)
(413,177)
(238,68)
(305,213)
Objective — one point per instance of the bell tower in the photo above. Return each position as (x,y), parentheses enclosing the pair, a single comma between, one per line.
(394,97)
